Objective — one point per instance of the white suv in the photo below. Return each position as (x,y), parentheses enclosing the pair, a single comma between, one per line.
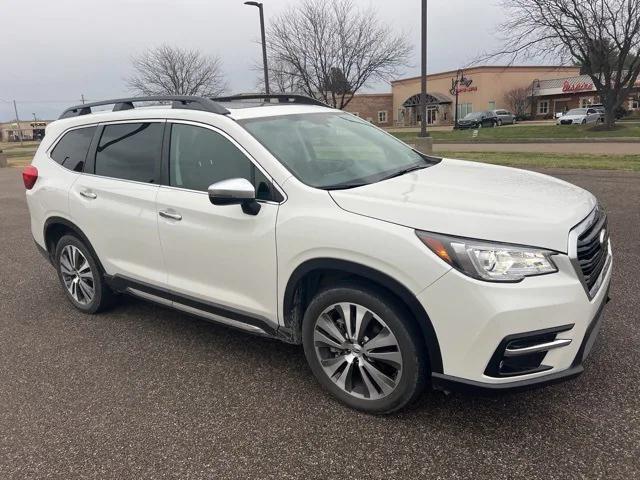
(283,217)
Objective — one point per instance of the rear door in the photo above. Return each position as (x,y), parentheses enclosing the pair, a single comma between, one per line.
(219,257)
(113,201)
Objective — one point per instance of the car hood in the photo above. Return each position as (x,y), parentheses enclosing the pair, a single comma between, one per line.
(478,201)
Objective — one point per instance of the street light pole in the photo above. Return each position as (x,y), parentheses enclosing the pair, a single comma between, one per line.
(264,45)
(423,94)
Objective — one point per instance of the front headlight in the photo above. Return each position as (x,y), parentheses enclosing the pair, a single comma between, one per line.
(495,262)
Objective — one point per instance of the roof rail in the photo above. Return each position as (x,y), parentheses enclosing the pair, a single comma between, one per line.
(280,97)
(177,101)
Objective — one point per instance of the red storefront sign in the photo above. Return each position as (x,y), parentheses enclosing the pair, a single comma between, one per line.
(567,86)
(467,89)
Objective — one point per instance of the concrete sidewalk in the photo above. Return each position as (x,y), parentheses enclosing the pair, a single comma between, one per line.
(609,148)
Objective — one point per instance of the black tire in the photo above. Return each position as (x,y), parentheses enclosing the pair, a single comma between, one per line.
(103,296)
(499,123)
(414,371)
(584,122)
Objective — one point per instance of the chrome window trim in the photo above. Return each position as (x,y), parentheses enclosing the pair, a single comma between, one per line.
(242,150)
(572,250)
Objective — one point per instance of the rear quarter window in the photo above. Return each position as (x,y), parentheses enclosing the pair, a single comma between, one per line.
(71,150)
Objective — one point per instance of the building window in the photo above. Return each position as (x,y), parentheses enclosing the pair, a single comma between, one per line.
(382,116)
(492,105)
(635,104)
(464,109)
(543,107)
(585,102)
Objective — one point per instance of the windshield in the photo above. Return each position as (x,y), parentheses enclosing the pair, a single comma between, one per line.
(334,150)
(577,111)
(473,116)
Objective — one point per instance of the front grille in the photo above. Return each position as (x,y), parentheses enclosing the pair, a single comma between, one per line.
(566,122)
(593,248)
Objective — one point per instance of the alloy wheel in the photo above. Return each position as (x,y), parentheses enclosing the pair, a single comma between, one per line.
(77,274)
(358,351)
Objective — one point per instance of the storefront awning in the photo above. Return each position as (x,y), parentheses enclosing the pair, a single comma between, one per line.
(434,98)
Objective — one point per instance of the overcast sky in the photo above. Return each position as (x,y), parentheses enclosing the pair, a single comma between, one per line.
(56,50)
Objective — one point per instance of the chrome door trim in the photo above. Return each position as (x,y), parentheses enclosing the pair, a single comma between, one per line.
(196,311)
(218,318)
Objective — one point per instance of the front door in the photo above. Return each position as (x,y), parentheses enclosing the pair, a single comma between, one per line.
(113,203)
(217,255)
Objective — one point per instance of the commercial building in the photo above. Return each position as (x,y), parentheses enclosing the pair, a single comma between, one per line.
(31,130)
(376,108)
(485,88)
(562,94)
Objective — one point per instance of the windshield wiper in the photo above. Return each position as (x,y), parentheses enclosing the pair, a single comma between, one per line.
(404,171)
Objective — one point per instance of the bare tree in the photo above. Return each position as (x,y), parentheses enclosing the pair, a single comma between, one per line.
(169,70)
(603,36)
(519,100)
(329,50)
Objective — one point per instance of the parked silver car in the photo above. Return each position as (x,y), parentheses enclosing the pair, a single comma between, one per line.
(504,117)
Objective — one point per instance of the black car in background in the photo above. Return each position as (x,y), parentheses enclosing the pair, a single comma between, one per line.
(478,120)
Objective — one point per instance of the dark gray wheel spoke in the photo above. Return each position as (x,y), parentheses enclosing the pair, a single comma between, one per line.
(77,274)
(332,365)
(357,351)
(383,339)
(384,382)
(393,358)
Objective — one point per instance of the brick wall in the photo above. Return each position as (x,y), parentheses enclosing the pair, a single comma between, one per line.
(369,106)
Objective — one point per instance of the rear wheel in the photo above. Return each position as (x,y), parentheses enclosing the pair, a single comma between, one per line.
(363,347)
(80,276)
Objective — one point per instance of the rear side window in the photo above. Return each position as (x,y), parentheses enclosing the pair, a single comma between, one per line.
(199,157)
(71,150)
(130,151)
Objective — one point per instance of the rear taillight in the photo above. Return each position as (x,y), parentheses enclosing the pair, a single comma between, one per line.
(29,176)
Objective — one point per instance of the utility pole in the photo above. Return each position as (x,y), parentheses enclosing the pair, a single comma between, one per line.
(264,46)
(423,94)
(82,98)
(15,109)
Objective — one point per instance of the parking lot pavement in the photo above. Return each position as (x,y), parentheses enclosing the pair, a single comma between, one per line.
(146,392)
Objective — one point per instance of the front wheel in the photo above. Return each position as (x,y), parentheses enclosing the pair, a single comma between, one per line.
(499,123)
(364,348)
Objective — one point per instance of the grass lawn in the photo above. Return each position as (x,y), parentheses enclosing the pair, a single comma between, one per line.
(552,160)
(17,155)
(530,132)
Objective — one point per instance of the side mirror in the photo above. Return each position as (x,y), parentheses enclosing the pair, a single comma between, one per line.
(235,191)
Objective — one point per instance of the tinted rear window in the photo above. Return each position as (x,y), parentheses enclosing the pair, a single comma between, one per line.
(71,150)
(130,151)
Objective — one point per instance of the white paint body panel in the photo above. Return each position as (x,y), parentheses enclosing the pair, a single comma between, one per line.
(122,225)
(476,200)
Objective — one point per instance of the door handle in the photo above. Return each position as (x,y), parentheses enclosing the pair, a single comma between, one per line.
(88,194)
(171,215)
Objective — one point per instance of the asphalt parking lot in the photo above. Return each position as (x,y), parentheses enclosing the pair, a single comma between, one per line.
(146,392)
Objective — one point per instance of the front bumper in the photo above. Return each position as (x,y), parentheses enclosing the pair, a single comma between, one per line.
(440,381)
(473,318)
